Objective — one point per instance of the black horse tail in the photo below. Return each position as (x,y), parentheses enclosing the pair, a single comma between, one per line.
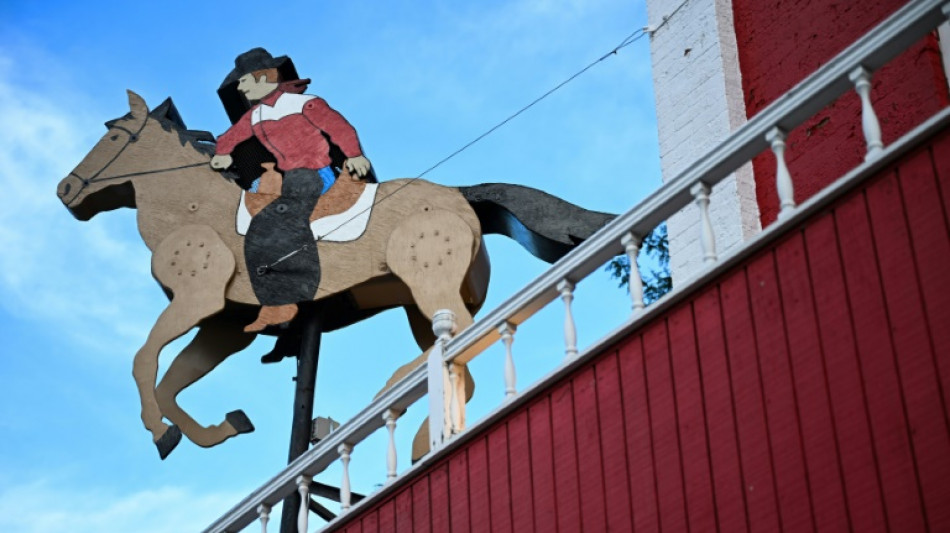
(545,225)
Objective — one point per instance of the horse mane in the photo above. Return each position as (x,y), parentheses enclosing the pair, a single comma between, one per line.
(167,115)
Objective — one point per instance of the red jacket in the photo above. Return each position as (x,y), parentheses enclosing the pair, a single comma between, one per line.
(290,126)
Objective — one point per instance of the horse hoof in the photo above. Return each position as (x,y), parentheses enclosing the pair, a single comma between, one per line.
(167,442)
(239,421)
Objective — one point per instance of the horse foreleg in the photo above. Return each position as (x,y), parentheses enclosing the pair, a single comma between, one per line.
(215,341)
(195,264)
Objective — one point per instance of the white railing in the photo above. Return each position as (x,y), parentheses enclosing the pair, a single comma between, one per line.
(442,378)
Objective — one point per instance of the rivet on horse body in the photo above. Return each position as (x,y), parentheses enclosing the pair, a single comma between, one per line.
(192,207)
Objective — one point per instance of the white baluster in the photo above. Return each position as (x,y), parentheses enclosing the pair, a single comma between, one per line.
(507,332)
(861,78)
(390,416)
(303,487)
(345,451)
(783,179)
(440,389)
(631,244)
(263,511)
(707,238)
(566,288)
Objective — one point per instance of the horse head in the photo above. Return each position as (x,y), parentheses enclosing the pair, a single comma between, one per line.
(139,145)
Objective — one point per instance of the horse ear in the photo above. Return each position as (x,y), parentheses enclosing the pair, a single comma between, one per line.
(137,105)
(168,111)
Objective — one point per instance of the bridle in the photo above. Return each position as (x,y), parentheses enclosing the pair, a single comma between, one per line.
(133,137)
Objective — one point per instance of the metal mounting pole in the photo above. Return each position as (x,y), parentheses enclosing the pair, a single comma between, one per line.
(303,403)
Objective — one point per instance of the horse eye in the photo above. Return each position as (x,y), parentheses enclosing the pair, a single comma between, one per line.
(114,137)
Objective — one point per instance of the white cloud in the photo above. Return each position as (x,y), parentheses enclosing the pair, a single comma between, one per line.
(85,277)
(42,507)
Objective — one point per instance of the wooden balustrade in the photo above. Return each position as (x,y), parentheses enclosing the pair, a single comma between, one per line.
(566,288)
(707,238)
(631,245)
(783,179)
(346,494)
(861,78)
(303,515)
(507,332)
(263,512)
(390,416)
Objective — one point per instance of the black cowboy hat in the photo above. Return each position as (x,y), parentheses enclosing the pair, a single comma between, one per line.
(253,60)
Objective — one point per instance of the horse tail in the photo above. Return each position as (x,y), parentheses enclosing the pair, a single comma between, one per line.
(545,225)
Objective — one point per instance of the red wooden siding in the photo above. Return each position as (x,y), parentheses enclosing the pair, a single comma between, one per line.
(805,389)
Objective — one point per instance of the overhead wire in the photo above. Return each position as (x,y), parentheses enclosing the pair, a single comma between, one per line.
(627,41)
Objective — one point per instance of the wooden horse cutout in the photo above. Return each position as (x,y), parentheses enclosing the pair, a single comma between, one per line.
(421,249)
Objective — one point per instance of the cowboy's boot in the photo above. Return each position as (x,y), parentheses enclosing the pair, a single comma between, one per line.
(272,315)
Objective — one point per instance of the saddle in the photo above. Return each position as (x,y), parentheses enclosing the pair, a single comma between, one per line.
(341,196)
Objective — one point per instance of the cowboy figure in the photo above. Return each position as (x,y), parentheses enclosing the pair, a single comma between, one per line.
(299,131)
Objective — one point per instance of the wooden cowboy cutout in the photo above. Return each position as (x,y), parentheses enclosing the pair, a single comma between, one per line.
(421,250)
(298,130)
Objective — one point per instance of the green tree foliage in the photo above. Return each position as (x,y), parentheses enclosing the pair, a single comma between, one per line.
(654,265)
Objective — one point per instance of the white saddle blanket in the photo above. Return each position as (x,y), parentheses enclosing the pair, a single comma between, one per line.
(341,227)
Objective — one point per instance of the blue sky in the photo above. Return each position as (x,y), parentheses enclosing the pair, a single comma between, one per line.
(417,79)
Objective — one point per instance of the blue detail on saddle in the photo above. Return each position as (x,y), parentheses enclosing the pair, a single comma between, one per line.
(326,174)
(328,178)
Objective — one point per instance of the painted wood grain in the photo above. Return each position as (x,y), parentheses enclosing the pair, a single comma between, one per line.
(519,467)
(643,491)
(754,446)
(726,468)
(819,444)
(912,346)
(844,376)
(885,402)
(691,415)
(590,465)
(542,465)
(664,428)
(613,442)
(779,394)
(499,479)
(566,487)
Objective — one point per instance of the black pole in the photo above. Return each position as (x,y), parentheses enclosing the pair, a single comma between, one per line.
(303,404)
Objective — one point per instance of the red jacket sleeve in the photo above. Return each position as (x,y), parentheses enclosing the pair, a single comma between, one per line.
(321,115)
(235,135)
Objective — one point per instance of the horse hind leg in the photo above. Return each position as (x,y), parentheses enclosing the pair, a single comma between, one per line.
(431,253)
(215,341)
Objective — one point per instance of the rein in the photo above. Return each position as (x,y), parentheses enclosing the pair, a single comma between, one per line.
(133,137)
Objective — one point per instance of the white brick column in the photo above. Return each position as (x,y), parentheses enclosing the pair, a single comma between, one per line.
(699,102)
